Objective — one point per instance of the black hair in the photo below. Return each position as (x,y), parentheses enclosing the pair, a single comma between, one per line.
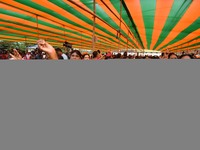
(186,55)
(77,52)
(118,55)
(170,54)
(58,50)
(86,55)
(125,55)
(94,54)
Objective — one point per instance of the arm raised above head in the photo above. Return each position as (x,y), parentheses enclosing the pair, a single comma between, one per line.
(46,47)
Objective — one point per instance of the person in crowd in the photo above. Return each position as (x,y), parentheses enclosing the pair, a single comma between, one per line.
(86,57)
(100,55)
(43,46)
(1,54)
(38,54)
(22,53)
(164,56)
(108,55)
(27,56)
(103,57)
(75,55)
(95,55)
(60,54)
(125,55)
(16,55)
(118,56)
(197,55)
(130,57)
(32,55)
(45,49)
(172,56)
(4,55)
(193,56)
(186,56)
(48,49)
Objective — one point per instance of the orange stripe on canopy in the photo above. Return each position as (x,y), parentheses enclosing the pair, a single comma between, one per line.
(31,24)
(189,48)
(72,17)
(34,24)
(162,12)
(135,10)
(187,38)
(89,16)
(29,34)
(187,44)
(45,15)
(46,34)
(116,18)
(190,16)
(62,12)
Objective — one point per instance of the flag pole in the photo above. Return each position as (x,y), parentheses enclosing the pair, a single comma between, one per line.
(94,25)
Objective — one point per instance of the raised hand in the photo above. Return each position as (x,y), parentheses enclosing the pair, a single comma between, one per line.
(46,47)
(15,55)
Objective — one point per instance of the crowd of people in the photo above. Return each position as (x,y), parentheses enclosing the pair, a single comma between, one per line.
(46,51)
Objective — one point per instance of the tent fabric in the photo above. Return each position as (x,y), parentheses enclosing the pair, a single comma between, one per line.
(120,24)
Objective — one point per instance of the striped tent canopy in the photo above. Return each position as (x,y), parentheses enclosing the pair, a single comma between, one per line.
(119,24)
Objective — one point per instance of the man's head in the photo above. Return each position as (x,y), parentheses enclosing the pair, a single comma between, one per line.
(59,51)
(172,56)
(95,54)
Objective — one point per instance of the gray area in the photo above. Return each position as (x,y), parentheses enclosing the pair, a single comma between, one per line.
(105,105)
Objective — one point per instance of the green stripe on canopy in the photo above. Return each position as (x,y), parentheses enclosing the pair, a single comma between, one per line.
(148,12)
(186,32)
(178,10)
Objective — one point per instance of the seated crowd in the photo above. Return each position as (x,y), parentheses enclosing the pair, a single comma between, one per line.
(46,51)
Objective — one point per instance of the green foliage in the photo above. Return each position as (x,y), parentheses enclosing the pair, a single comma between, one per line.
(5,45)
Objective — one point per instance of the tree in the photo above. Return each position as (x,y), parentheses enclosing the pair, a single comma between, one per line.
(5,45)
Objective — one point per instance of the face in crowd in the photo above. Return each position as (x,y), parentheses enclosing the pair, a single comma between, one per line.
(76,55)
(186,56)
(172,56)
(86,57)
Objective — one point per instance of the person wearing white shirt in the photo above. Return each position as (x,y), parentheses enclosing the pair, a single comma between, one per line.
(60,54)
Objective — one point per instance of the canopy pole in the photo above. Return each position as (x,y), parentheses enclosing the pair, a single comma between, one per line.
(120,23)
(94,25)
(78,5)
(127,42)
(25,42)
(64,36)
(136,42)
(81,40)
(117,17)
(37,27)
